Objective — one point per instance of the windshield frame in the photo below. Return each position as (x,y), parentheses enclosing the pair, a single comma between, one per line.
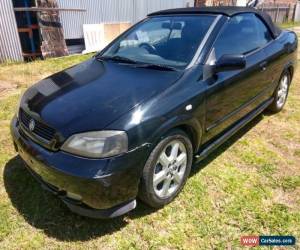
(194,59)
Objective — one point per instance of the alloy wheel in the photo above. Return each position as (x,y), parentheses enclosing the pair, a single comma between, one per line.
(170,169)
(282,91)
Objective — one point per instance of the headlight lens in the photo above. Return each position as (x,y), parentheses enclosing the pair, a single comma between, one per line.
(98,144)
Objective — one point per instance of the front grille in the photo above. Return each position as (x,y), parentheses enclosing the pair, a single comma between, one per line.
(40,129)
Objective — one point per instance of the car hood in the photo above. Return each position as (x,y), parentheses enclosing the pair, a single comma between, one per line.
(93,94)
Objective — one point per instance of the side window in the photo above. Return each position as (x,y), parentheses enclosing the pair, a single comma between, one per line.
(263,34)
(243,34)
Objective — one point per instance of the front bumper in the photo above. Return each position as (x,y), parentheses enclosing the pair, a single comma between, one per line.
(92,187)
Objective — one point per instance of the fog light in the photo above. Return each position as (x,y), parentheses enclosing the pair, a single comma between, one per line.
(74,196)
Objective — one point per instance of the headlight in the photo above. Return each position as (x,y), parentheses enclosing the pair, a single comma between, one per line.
(98,144)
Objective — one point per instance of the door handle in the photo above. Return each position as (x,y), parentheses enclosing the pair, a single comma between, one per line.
(263,66)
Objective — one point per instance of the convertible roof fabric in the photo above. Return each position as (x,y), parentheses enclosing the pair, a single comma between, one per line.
(229,11)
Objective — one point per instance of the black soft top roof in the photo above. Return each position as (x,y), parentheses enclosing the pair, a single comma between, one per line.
(223,10)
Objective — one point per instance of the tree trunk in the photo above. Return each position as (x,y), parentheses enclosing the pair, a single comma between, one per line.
(53,42)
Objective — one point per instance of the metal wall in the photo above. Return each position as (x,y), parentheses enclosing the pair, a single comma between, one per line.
(10,46)
(110,11)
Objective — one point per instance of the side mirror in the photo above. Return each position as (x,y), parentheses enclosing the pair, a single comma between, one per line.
(230,62)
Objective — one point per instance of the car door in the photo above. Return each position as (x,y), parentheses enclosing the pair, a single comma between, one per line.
(232,94)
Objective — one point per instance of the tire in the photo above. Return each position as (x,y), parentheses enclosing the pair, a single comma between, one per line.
(170,172)
(281,93)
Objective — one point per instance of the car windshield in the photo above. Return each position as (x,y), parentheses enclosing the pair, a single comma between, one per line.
(162,41)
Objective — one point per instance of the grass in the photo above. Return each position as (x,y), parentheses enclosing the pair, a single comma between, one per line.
(249,186)
(289,25)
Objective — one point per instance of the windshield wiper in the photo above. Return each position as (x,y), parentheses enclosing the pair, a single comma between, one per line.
(138,64)
(156,66)
(117,59)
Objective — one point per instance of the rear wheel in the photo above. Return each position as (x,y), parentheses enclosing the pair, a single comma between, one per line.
(281,93)
(166,170)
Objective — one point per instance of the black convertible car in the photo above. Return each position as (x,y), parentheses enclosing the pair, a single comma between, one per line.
(130,121)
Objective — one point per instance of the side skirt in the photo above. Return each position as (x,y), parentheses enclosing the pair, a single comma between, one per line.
(220,140)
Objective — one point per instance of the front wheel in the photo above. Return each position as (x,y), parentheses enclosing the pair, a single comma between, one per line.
(281,93)
(166,170)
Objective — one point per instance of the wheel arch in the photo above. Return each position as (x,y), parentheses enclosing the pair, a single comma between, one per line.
(187,124)
(192,134)
(290,68)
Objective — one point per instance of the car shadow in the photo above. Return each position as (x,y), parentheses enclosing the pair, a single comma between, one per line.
(46,212)
(226,145)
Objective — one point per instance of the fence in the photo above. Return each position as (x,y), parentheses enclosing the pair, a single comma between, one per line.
(280,14)
(200,3)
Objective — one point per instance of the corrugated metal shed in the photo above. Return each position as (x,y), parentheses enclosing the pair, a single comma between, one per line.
(10,46)
(110,11)
(97,11)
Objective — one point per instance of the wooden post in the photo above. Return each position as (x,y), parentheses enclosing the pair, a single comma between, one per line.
(288,13)
(277,12)
(294,13)
(53,44)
